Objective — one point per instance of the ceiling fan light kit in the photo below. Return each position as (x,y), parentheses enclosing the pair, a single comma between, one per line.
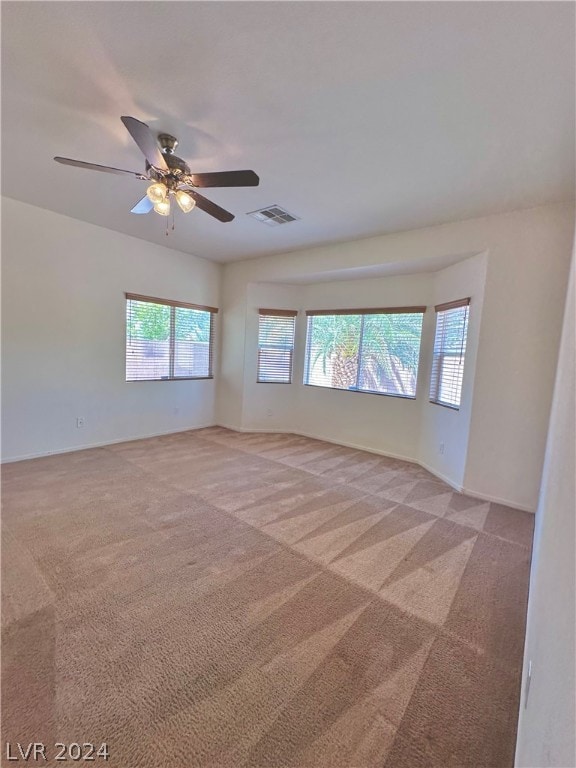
(159,195)
(184,200)
(163,207)
(170,175)
(157,192)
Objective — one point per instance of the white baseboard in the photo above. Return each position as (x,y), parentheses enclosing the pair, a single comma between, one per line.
(498,500)
(355,446)
(319,437)
(263,431)
(476,494)
(101,444)
(456,486)
(440,476)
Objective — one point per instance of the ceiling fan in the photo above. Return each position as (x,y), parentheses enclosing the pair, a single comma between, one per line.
(170,175)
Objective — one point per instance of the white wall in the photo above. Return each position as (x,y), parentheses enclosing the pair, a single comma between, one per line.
(440,425)
(410,429)
(527,256)
(546,725)
(63,334)
(267,406)
(528,266)
(376,422)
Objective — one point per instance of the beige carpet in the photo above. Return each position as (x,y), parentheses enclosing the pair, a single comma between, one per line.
(223,600)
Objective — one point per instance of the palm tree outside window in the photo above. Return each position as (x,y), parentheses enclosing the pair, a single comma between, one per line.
(365,350)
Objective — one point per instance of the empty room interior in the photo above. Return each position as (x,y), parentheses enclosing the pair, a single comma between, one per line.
(288,417)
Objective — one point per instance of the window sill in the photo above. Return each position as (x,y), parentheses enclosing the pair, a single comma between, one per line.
(363,392)
(174,378)
(445,405)
(258,381)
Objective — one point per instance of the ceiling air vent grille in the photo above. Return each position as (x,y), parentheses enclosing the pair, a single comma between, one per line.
(273,216)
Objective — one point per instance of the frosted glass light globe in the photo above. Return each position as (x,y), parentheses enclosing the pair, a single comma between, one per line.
(156,193)
(163,207)
(184,200)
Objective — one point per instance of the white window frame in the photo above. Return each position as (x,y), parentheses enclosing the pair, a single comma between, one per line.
(286,315)
(362,313)
(173,306)
(440,355)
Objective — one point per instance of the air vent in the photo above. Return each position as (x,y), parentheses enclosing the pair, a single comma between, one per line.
(273,216)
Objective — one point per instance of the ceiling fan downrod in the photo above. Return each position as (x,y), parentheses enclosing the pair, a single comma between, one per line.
(167,143)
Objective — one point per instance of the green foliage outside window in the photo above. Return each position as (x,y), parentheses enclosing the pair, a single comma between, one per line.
(192,324)
(377,352)
(151,322)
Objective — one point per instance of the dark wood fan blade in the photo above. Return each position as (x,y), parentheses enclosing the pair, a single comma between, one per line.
(225,179)
(94,167)
(143,206)
(144,137)
(209,207)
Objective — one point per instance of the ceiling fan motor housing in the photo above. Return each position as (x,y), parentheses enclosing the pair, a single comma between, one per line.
(178,169)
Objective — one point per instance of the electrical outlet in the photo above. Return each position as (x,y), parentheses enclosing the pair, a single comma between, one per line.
(441,448)
(80,422)
(269,412)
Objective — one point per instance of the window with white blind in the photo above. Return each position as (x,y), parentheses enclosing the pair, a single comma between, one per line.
(275,345)
(168,340)
(364,350)
(449,353)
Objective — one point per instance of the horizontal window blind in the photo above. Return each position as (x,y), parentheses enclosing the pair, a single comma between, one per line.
(275,345)
(369,311)
(449,353)
(375,351)
(167,340)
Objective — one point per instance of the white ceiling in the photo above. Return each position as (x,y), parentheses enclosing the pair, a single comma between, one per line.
(361,118)
(424,264)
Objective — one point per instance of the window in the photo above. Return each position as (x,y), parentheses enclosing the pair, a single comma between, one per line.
(275,345)
(449,351)
(167,340)
(364,350)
